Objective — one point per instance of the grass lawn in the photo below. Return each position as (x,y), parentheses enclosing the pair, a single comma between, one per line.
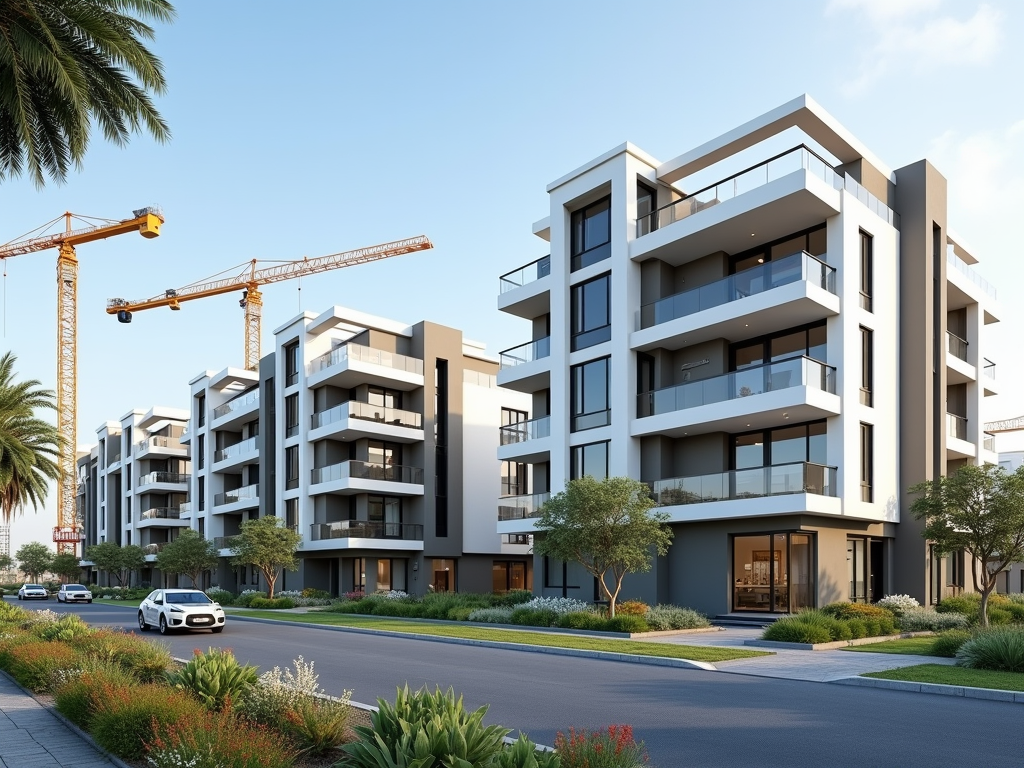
(638,648)
(937,673)
(918,646)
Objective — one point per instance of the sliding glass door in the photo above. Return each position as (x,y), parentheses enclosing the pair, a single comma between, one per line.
(773,572)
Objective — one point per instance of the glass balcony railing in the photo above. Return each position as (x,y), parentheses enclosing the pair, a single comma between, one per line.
(364,529)
(989,369)
(157,442)
(359,353)
(988,441)
(224,542)
(956,426)
(526,353)
(238,449)
(800,157)
(356,409)
(522,431)
(237,404)
(956,346)
(794,372)
(757,482)
(529,273)
(152,549)
(164,477)
(238,494)
(364,470)
(778,272)
(161,513)
(521,507)
(954,261)
(185,509)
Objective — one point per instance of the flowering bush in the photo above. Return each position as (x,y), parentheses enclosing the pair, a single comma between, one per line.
(924,620)
(560,605)
(216,741)
(492,615)
(665,617)
(246,596)
(126,718)
(277,692)
(34,664)
(632,608)
(219,595)
(394,594)
(303,599)
(898,603)
(613,747)
(357,595)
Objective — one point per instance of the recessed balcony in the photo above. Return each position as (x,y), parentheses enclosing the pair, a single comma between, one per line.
(155,482)
(795,290)
(795,390)
(525,441)
(246,497)
(958,445)
(160,446)
(239,454)
(161,517)
(223,544)
(964,286)
(185,510)
(363,534)
(526,368)
(353,364)
(525,292)
(988,378)
(355,419)
(350,477)
(236,411)
(517,514)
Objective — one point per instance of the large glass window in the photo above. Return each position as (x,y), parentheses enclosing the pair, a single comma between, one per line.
(866,268)
(646,204)
(591,313)
(813,241)
(387,511)
(591,234)
(866,366)
(867,460)
(386,398)
(291,467)
(811,340)
(201,410)
(291,363)
(783,445)
(291,415)
(590,406)
(444,575)
(291,513)
(507,575)
(773,572)
(590,459)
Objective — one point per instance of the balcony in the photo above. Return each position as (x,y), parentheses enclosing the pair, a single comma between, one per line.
(224,543)
(363,534)
(165,481)
(161,517)
(786,193)
(526,441)
(794,290)
(956,346)
(988,378)
(352,364)
(797,389)
(160,446)
(526,368)
(153,549)
(958,445)
(186,434)
(185,510)
(524,292)
(521,507)
(956,263)
(246,496)
(355,419)
(241,453)
(354,476)
(988,441)
(236,411)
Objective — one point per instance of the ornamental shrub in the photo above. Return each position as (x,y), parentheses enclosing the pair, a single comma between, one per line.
(792,630)
(126,719)
(278,691)
(219,595)
(999,648)
(275,604)
(858,628)
(67,628)
(323,594)
(75,696)
(581,620)
(959,604)
(949,642)
(857,611)
(925,620)
(664,617)
(147,661)
(632,608)
(511,598)
(397,608)
(559,605)
(215,678)
(533,617)
(626,623)
(523,753)
(1016,611)
(33,664)
(1017,598)
(436,605)
(999,617)
(318,725)
(9,639)
(887,625)
(460,614)
(246,596)
(897,604)
(217,741)
(492,615)
(613,747)
(11,614)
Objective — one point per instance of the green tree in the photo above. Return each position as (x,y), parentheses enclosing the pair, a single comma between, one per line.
(34,559)
(190,554)
(65,64)
(268,544)
(66,566)
(118,562)
(29,446)
(605,525)
(6,562)
(981,511)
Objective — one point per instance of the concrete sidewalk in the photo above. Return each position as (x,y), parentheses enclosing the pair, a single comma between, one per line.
(32,737)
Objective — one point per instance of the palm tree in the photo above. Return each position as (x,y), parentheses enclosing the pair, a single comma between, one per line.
(29,446)
(67,63)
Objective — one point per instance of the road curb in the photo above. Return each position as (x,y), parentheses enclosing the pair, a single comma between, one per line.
(656,661)
(963,691)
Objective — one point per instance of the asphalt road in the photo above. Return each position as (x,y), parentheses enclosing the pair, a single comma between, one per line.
(686,717)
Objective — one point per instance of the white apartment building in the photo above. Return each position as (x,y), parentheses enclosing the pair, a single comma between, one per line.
(779,354)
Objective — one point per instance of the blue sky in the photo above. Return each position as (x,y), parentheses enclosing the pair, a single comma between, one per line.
(304,129)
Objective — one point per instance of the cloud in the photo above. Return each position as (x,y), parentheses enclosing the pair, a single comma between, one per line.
(904,41)
(985,172)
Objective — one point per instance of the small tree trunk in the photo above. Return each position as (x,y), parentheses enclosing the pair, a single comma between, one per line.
(271,577)
(983,609)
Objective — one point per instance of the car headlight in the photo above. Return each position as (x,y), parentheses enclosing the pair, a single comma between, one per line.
(176,610)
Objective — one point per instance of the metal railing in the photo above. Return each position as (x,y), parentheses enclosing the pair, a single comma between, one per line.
(800,157)
(522,431)
(356,409)
(160,513)
(794,372)
(956,346)
(364,470)
(526,353)
(238,494)
(956,426)
(157,442)
(988,441)
(164,477)
(238,449)
(224,542)
(242,401)
(359,353)
(757,482)
(965,269)
(364,529)
(764,277)
(521,507)
(526,274)
(989,369)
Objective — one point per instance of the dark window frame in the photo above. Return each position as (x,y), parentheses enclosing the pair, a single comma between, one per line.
(766,441)
(765,249)
(867,462)
(766,341)
(291,415)
(585,253)
(867,366)
(576,453)
(581,420)
(788,533)
(867,268)
(291,363)
(291,462)
(581,336)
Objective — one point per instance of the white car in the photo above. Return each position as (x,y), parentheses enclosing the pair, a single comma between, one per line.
(33,591)
(168,609)
(73,593)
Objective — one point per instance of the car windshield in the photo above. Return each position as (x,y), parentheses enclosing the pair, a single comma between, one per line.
(187,597)
(33,586)
(77,587)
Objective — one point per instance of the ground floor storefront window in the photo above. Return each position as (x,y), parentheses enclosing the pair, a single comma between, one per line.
(443,575)
(507,575)
(773,572)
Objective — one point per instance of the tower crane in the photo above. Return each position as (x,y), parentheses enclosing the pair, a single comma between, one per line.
(145,221)
(250,279)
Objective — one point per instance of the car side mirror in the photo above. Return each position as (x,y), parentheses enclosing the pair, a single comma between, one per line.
(158,602)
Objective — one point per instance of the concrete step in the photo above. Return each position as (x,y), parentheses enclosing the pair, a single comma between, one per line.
(750,620)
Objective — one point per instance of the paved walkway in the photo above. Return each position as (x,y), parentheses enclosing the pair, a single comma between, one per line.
(31,737)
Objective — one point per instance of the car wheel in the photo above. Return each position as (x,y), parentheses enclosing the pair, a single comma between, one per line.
(19,596)
(163,625)
(143,626)
(89,601)
(217,630)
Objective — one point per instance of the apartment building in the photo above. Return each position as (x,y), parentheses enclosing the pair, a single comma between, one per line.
(133,482)
(779,343)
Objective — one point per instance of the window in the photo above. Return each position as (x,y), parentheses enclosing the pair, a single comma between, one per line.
(591,315)
(201,408)
(291,513)
(866,365)
(385,398)
(201,450)
(291,363)
(646,204)
(590,459)
(514,480)
(386,513)
(444,575)
(201,501)
(773,572)
(589,405)
(441,448)
(811,341)
(866,268)
(127,441)
(291,415)
(291,467)
(591,234)
(783,445)
(507,575)
(359,574)
(812,241)
(866,461)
